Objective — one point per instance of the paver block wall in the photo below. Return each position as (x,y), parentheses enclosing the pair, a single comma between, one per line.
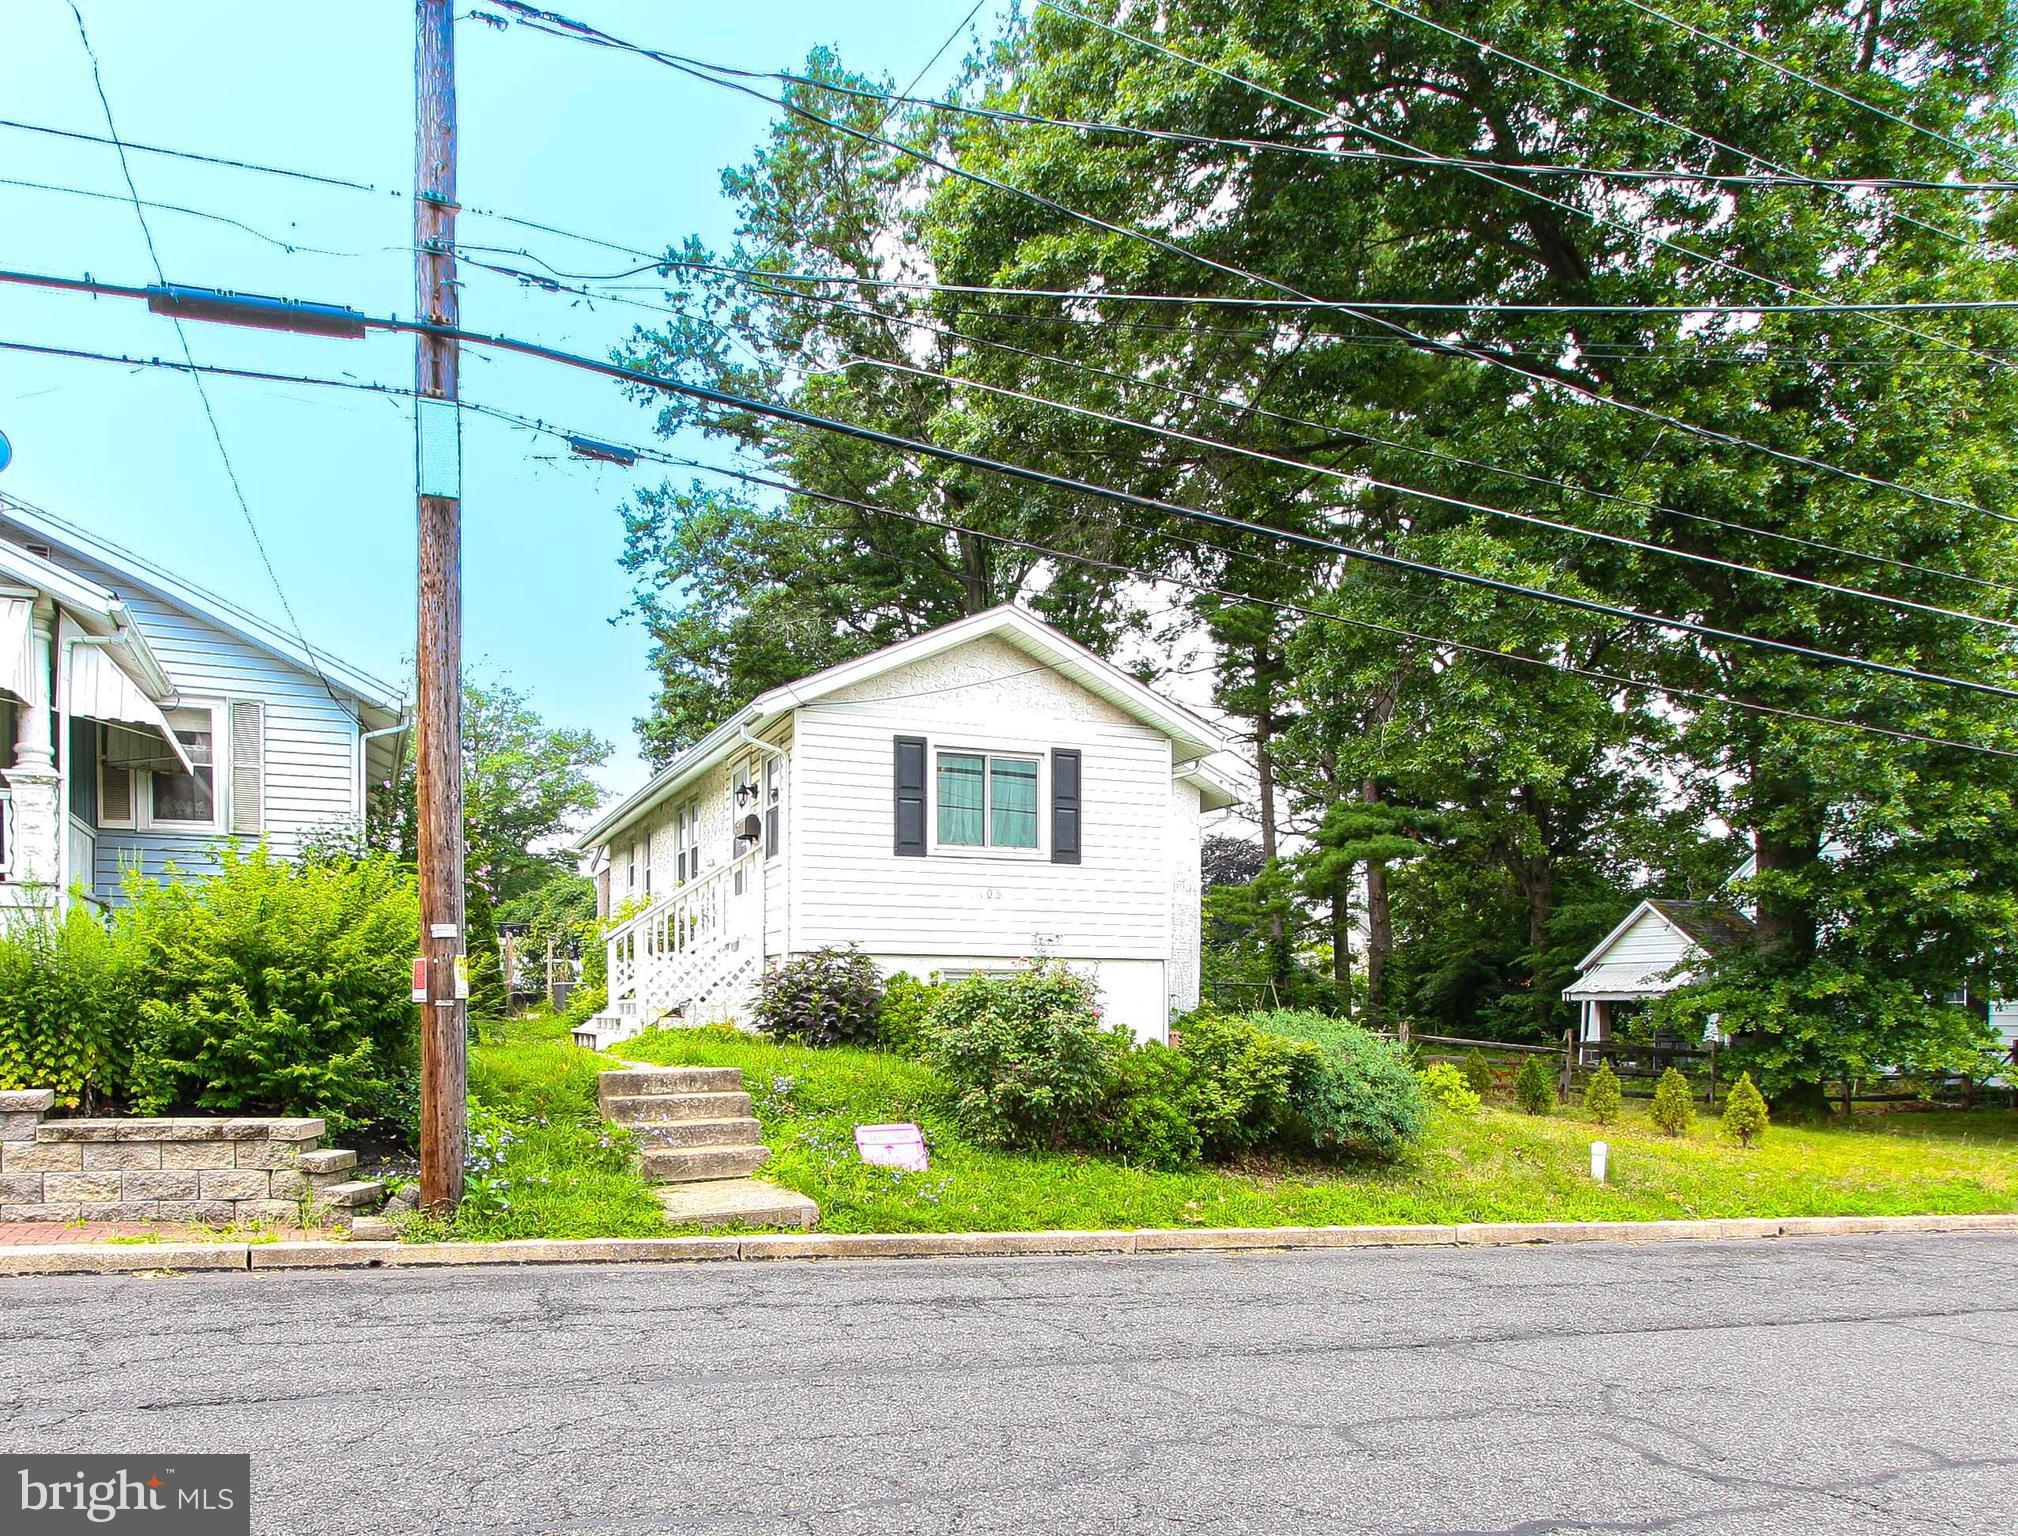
(198,1170)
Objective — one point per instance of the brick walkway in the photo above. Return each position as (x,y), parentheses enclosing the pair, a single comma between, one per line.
(20,1233)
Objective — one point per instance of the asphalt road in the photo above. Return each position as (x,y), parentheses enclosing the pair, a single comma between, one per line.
(1811,1386)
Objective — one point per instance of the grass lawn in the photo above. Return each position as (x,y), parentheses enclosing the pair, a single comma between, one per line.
(1497,1165)
(557,1170)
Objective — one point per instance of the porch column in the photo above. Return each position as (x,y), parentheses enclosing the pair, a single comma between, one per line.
(34,780)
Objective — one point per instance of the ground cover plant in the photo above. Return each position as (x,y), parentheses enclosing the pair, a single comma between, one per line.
(542,1161)
(1495,1165)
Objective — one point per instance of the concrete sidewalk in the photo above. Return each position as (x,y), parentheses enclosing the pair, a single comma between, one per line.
(101,1258)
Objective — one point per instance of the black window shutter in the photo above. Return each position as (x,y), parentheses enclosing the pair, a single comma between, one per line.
(910,796)
(1064,805)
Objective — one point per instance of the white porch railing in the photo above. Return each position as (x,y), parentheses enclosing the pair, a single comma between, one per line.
(6,834)
(689,950)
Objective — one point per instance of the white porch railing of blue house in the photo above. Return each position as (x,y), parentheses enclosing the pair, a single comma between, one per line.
(693,952)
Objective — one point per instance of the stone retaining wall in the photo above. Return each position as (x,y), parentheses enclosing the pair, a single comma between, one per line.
(213,1171)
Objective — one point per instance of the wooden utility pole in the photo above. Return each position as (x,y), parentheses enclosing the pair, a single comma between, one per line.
(444,1065)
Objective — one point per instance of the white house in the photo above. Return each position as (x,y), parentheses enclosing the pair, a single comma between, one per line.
(143,720)
(1658,946)
(961,801)
(1662,945)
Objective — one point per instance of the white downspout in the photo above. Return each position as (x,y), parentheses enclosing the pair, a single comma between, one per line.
(364,741)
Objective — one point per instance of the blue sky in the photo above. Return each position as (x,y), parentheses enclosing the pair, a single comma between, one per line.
(574,137)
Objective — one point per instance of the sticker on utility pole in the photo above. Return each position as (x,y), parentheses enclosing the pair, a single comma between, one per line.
(462,977)
(420,979)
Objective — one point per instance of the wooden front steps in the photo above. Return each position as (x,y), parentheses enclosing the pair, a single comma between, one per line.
(698,1140)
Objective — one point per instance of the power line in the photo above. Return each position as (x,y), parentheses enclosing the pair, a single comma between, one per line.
(1977,155)
(582,32)
(1645,546)
(1638,111)
(906,321)
(135,147)
(944,525)
(657,456)
(289,246)
(195,378)
(901,444)
(1775,177)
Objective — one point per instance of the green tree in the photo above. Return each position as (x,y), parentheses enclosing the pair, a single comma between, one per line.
(1535,1085)
(1674,1108)
(1601,1094)
(526,783)
(1745,1117)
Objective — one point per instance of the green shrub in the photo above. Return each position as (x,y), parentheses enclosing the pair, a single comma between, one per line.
(1354,1095)
(1535,1085)
(1674,1104)
(275,988)
(69,990)
(1601,1094)
(1238,1091)
(1745,1117)
(1444,1084)
(1030,1063)
(1478,1073)
(1147,1121)
(485,961)
(827,997)
(907,1002)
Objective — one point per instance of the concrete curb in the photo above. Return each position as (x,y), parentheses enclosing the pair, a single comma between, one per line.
(98,1258)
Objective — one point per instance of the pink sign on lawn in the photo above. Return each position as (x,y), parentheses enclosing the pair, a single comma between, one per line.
(892,1146)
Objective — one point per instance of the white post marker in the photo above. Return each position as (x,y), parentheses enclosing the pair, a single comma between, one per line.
(1600,1153)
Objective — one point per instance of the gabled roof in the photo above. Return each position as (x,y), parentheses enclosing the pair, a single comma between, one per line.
(47,528)
(1698,927)
(1192,737)
(1712,926)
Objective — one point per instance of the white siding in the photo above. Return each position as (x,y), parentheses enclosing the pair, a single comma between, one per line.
(311,740)
(1652,941)
(850,887)
(1185,880)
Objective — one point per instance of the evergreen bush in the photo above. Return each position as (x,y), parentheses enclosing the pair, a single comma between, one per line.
(1354,1095)
(1030,1062)
(1602,1097)
(1147,1121)
(1445,1084)
(1745,1117)
(827,997)
(1239,1089)
(1535,1085)
(1674,1105)
(1478,1072)
(907,1002)
(275,987)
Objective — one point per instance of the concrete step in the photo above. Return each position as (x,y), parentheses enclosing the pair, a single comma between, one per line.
(700,1133)
(646,1082)
(328,1160)
(683,1165)
(736,1202)
(662,1109)
(358,1194)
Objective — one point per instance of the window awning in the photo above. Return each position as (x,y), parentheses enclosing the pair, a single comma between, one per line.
(17,650)
(1623,981)
(97,687)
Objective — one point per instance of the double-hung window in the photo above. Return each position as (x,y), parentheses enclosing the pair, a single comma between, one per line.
(142,784)
(986,800)
(176,798)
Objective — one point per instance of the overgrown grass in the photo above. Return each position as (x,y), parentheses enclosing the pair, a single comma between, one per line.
(1497,1165)
(562,1172)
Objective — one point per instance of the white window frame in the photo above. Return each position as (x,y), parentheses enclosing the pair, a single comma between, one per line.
(144,819)
(1041,756)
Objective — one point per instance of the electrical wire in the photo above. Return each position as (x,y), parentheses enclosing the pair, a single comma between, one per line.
(1978,156)
(580,31)
(1231,594)
(1646,113)
(289,246)
(533,424)
(203,395)
(550,284)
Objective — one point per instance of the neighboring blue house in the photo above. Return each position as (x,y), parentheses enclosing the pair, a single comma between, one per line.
(144,719)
